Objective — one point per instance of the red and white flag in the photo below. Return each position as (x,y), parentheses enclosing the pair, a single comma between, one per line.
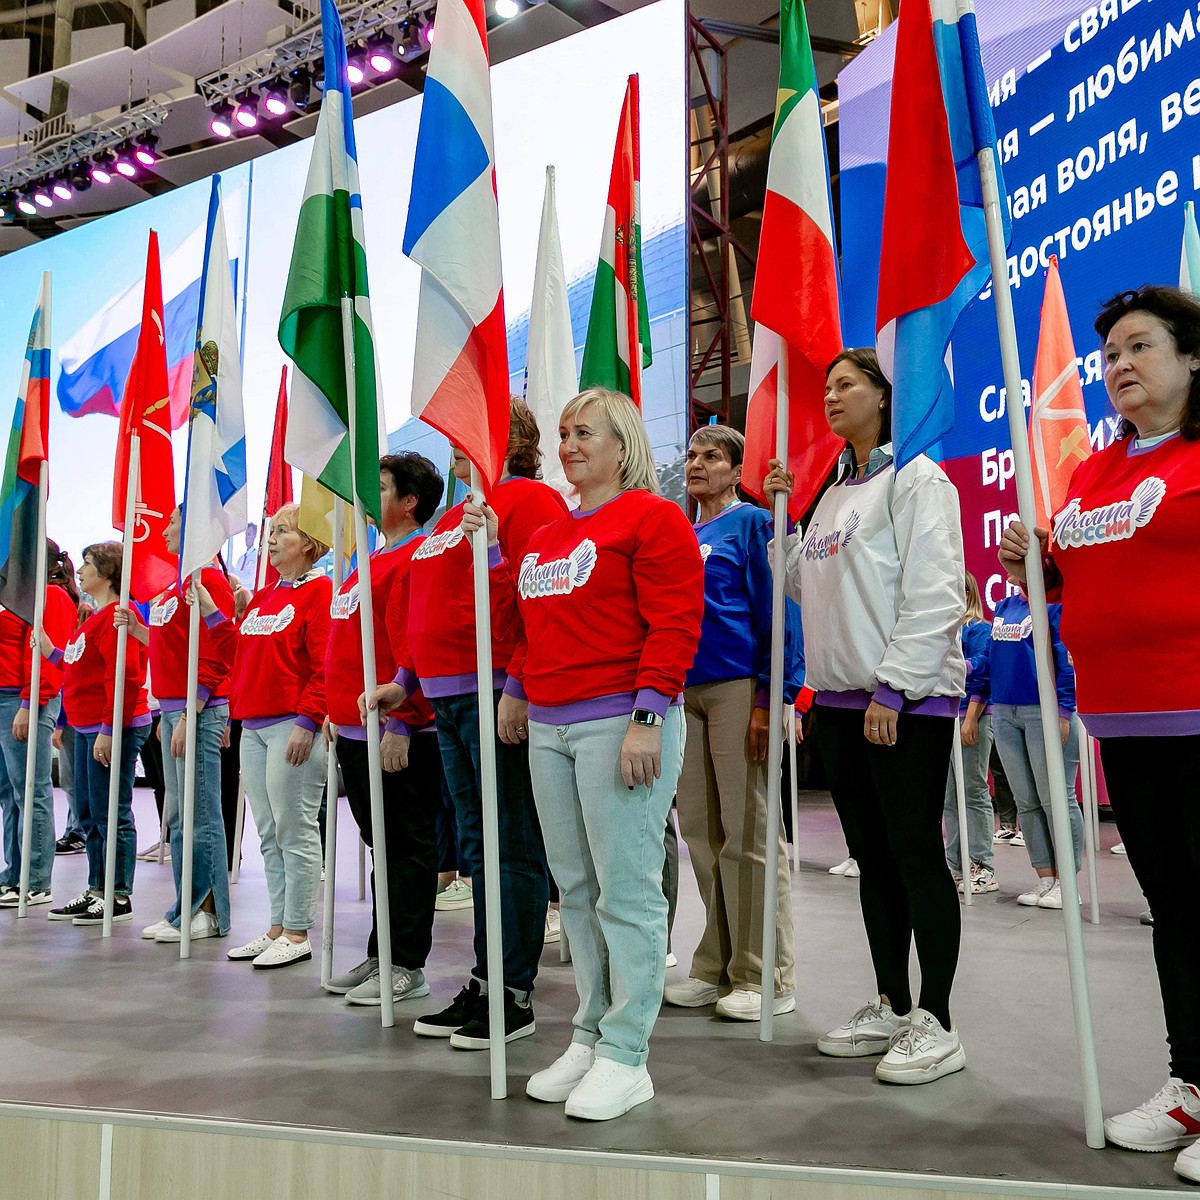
(279,483)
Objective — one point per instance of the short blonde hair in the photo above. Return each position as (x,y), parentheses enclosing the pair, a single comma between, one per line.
(315,548)
(624,422)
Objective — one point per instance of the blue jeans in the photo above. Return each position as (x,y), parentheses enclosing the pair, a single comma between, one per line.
(605,844)
(12,795)
(209,854)
(981,823)
(91,805)
(524,876)
(66,779)
(1018,730)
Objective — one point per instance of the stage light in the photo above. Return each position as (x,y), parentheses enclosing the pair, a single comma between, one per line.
(126,164)
(26,205)
(300,88)
(429,32)
(41,195)
(246,113)
(102,168)
(355,67)
(8,205)
(146,150)
(61,188)
(222,120)
(79,176)
(275,99)
(381,54)
(506,8)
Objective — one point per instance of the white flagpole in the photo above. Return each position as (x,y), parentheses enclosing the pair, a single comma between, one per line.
(1072,922)
(188,815)
(374,765)
(766,1025)
(35,683)
(118,713)
(331,781)
(491,830)
(362,869)
(793,740)
(1087,785)
(960,792)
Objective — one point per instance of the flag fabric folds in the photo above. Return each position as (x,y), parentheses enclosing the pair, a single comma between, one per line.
(1189,261)
(934,254)
(214,494)
(329,262)
(618,335)
(550,378)
(795,306)
(279,481)
(27,450)
(1058,430)
(146,411)
(460,380)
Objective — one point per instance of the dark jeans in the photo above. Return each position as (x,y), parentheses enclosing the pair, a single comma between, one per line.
(91,805)
(524,876)
(1152,787)
(410,799)
(231,766)
(449,856)
(889,800)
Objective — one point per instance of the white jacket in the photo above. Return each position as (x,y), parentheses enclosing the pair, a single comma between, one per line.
(879,572)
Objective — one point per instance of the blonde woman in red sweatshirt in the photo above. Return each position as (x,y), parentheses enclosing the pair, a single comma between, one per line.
(611,598)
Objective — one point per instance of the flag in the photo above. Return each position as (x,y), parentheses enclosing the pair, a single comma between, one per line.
(329,262)
(618,334)
(279,481)
(550,379)
(214,492)
(1058,428)
(315,516)
(145,410)
(19,533)
(1189,261)
(795,306)
(934,254)
(460,380)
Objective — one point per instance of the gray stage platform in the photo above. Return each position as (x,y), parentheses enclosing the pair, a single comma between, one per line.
(125,1025)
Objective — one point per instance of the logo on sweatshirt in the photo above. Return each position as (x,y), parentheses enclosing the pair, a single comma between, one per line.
(559,576)
(1112,522)
(439,543)
(816,548)
(1011,631)
(268,623)
(705,551)
(345,604)
(161,614)
(75,648)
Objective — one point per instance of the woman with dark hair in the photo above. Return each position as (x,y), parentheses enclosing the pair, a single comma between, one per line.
(722,797)
(89,676)
(880,568)
(1130,520)
(16,658)
(410,490)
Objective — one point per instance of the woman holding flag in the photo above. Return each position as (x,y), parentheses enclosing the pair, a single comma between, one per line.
(881,570)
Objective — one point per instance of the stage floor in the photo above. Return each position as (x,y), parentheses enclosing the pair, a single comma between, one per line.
(125,1025)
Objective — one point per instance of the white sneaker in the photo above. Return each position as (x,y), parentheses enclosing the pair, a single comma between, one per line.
(983,879)
(406,985)
(609,1090)
(456,894)
(744,1005)
(553,926)
(282,952)
(869,1031)
(693,993)
(1034,899)
(252,949)
(1187,1165)
(558,1080)
(1119,848)
(672,961)
(1053,898)
(152,931)
(844,867)
(852,871)
(339,985)
(204,925)
(1167,1120)
(922,1052)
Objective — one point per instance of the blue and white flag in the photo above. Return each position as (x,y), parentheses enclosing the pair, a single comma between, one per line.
(214,498)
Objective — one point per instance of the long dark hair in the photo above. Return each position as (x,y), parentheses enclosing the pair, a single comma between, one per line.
(60,570)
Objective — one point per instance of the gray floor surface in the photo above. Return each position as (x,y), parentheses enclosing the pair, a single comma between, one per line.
(125,1024)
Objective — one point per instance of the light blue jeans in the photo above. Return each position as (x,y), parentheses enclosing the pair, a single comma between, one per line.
(981,823)
(285,801)
(1018,732)
(12,795)
(605,847)
(210,872)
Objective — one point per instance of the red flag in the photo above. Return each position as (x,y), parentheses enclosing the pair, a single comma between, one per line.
(279,480)
(146,411)
(1058,429)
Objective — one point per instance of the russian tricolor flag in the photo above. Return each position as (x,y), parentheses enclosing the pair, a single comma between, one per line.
(934,256)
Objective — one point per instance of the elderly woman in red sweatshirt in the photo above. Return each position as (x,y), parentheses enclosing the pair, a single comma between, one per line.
(611,597)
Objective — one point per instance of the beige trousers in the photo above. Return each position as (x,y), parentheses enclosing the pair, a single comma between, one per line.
(722,805)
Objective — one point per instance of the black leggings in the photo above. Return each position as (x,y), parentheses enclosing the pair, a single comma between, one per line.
(1152,786)
(889,800)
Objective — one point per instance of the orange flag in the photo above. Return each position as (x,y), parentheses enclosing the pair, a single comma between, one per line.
(1058,428)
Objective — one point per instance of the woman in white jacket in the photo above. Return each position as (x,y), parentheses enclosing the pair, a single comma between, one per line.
(880,568)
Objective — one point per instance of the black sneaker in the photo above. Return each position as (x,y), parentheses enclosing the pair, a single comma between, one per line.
(466,1004)
(475,1034)
(70,843)
(122,911)
(73,909)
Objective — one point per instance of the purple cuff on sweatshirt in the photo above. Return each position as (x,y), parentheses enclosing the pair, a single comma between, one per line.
(307,724)
(762,698)
(403,728)
(407,680)
(515,688)
(655,701)
(215,618)
(889,697)
(495,556)
(55,655)
(25,705)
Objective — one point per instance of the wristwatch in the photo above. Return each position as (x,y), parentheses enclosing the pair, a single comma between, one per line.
(645,716)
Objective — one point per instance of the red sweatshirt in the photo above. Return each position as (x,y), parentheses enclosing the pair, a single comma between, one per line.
(1125,545)
(611,603)
(440,648)
(58,621)
(169,644)
(279,668)
(90,660)
(343,651)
